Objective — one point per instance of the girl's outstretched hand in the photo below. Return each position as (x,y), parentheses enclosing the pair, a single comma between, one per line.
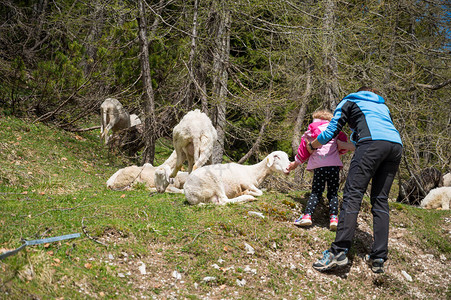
(293,165)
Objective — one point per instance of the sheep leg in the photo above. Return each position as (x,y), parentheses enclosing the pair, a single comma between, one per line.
(179,162)
(190,163)
(112,120)
(242,198)
(105,121)
(105,133)
(204,153)
(445,204)
(102,121)
(253,190)
(196,151)
(173,189)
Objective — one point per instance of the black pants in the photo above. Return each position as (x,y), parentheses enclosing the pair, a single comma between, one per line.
(321,177)
(379,161)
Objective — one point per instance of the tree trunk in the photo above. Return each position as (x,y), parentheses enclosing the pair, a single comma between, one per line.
(191,86)
(220,76)
(330,60)
(256,145)
(149,105)
(304,101)
(94,32)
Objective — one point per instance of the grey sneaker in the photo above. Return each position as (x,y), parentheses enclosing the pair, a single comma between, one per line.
(330,261)
(376,264)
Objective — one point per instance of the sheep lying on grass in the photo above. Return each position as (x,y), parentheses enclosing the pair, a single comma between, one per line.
(232,182)
(162,179)
(411,191)
(126,178)
(438,198)
(193,140)
(447,179)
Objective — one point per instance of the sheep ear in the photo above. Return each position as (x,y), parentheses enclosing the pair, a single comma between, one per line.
(269,160)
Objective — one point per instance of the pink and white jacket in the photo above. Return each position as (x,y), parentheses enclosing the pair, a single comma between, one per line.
(326,155)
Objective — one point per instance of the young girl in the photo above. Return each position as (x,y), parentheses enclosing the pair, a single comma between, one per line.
(325,163)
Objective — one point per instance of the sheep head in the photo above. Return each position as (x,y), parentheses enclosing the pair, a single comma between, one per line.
(162,179)
(278,161)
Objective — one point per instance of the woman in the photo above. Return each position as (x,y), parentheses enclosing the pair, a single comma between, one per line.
(377,157)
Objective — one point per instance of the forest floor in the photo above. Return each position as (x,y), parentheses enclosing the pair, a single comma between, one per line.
(139,245)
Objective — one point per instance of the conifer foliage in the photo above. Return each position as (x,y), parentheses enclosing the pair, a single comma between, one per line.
(258,68)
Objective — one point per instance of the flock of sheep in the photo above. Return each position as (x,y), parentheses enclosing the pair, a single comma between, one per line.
(193,140)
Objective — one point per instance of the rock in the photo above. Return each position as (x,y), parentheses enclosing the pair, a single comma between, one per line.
(249,249)
(255,213)
(241,282)
(142,268)
(406,276)
(176,275)
(248,269)
(209,278)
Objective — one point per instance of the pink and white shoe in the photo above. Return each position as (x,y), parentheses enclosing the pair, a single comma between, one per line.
(304,220)
(333,222)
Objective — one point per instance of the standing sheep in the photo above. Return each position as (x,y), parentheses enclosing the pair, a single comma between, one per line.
(193,140)
(115,118)
(134,120)
(232,182)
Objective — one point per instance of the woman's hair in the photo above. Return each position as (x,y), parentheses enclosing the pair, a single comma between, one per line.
(369,89)
(323,114)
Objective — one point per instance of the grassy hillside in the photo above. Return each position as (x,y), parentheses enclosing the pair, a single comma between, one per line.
(52,183)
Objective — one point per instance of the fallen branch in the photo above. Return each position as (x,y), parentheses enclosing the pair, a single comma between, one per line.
(83,129)
(197,235)
(83,227)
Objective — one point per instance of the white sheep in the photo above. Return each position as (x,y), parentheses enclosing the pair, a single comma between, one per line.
(162,179)
(232,182)
(115,118)
(134,120)
(447,179)
(437,198)
(126,178)
(193,140)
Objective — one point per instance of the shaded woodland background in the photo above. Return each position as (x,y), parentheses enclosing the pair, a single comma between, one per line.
(258,68)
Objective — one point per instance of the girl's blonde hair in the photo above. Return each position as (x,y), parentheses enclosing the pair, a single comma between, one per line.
(323,114)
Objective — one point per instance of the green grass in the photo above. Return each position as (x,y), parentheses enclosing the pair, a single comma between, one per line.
(53,183)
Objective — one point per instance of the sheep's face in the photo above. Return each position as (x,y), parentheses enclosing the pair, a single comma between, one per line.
(162,179)
(278,161)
